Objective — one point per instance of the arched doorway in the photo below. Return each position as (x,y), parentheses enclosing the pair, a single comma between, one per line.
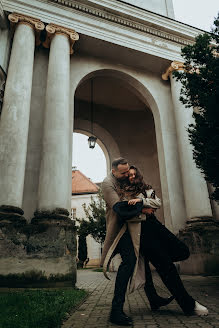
(123,119)
(89,168)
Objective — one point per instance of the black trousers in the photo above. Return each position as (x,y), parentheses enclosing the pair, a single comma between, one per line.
(162,248)
(126,268)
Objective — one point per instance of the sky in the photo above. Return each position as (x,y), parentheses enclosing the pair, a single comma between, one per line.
(92,162)
(198,13)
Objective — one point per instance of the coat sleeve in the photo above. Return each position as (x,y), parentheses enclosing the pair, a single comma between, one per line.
(109,193)
(152,200)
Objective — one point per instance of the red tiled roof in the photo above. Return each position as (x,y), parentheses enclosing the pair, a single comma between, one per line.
(81,184)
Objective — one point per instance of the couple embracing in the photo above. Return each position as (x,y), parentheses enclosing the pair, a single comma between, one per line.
(134,232)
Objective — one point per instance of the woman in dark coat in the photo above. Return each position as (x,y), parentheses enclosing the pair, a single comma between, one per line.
(158,245)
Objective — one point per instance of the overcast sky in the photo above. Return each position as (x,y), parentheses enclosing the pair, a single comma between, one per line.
(198,13)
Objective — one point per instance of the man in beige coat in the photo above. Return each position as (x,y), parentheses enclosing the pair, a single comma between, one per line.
(124,238)
(124,241)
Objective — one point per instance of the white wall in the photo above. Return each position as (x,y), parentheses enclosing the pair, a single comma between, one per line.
(93,248)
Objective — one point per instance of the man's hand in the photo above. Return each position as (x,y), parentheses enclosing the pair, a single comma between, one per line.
(146,210)
(134,201)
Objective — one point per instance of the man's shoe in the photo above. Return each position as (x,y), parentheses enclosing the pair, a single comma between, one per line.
(120,318)
(200,309)
(157,301)
(127,317)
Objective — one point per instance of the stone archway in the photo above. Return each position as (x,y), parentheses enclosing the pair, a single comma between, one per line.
(114,118)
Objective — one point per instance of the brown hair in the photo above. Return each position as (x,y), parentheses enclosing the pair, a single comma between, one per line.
(119,161)
(139,186)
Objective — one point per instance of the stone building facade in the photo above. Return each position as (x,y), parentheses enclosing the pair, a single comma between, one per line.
(129,50)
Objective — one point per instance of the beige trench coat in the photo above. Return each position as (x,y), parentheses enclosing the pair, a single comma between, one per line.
(115,229)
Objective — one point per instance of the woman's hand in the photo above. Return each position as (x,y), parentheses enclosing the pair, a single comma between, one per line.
(134,201)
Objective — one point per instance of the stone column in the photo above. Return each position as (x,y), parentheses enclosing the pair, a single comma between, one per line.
(54,172)
(194,186)
(15,112)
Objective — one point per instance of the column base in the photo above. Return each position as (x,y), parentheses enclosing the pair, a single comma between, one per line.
(56,216)
(42,253)
(201,235)
(11,214)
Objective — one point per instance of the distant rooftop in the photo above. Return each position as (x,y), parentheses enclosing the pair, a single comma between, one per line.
(81,184)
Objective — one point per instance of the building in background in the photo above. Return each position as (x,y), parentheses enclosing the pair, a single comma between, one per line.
(82,191)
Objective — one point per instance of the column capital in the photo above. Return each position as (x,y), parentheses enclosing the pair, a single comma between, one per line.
(53,29)
(35,23)
(174,66)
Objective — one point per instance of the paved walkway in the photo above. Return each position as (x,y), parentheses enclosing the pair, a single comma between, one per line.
(94,312)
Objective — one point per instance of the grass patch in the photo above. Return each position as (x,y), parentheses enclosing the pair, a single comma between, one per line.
(38,308)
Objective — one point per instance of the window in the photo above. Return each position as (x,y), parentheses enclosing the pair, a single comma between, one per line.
(73,213)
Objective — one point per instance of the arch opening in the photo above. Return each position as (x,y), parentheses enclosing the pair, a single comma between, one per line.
(124,113)
(93,163)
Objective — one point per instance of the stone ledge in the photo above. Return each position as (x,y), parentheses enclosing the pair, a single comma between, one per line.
(11,215)
(57,217)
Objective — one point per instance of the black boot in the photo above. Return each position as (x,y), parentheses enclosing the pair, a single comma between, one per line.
(120,318)
(154,299)
(127,317)
(157,301)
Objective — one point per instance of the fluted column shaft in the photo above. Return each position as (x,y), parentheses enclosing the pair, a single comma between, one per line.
(54,171)
(195,187)
(14,121)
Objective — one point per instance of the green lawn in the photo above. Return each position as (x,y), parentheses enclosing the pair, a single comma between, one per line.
(37,308)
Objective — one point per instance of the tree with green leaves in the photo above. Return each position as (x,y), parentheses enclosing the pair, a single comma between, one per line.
(95,213)
(200,90)
(94,224)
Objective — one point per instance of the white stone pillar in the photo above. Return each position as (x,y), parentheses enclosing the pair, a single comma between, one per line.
(14,121)
(194,186)
(54,171)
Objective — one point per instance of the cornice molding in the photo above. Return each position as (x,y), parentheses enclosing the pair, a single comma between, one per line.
(111,25)
(118,19)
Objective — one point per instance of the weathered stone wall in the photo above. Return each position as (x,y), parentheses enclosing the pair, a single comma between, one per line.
(202,238)
(40,252)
